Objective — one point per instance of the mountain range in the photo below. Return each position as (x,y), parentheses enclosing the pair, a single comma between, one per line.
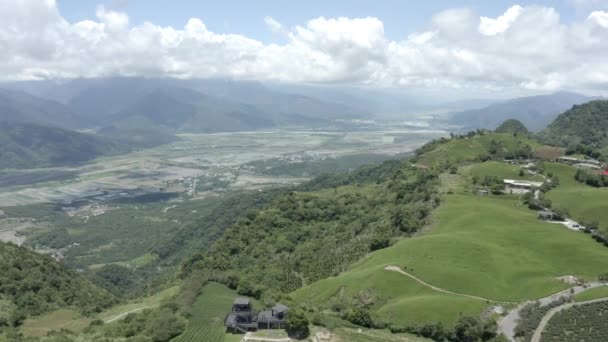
(535,112)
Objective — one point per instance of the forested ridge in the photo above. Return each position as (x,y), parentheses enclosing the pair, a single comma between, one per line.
(319,229)
(32,284)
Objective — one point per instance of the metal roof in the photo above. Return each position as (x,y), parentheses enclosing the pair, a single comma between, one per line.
(241,301)
(280,308)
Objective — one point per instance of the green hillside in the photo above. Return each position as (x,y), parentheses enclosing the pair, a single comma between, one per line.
(585,203)
(32,284)
(29,146)
(512,126)
(584,124)
(476,246)
(475,147)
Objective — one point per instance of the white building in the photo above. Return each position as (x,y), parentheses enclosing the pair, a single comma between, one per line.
(519,187)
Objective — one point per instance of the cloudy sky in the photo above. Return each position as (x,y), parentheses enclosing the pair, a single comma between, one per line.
(469,46)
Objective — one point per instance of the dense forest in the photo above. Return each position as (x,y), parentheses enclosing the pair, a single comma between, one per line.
(31,284)
(583,129)
(318,230)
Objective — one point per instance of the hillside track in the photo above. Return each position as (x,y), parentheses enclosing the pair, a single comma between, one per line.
(438,289)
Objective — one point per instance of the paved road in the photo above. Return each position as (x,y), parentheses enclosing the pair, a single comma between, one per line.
(507,325)
(438,289)
(543,323)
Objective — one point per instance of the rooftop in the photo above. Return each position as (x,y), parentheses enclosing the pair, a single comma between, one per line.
(279,308)
(241,301)
(524,183)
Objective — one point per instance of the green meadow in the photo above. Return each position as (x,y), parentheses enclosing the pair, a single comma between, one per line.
(584,202)
(469,149)
(492,247)
(598,292)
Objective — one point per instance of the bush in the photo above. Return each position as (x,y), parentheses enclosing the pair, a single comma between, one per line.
(298,324)
(360,317)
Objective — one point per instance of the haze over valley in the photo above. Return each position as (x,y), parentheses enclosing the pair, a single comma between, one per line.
(324,171)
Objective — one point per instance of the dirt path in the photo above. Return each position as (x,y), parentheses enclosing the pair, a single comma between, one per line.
(507,325)
(124,314)
(543,323)
(438,289)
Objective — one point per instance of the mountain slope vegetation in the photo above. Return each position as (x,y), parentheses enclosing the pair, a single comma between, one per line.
(29,145)
(585,124)
(31,284)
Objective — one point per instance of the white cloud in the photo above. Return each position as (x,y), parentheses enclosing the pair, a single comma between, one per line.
(524,48)
(492,27)
(273,24)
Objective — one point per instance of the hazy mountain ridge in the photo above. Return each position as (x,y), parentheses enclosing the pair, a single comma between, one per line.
(26,145)
(20,107)
(535,112)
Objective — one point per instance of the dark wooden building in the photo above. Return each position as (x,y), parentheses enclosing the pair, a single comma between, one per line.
(244,318)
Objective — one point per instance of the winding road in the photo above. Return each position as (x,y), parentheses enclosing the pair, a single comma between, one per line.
(543,323)
(506,326)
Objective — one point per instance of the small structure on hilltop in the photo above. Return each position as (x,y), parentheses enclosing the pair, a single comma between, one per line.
(483,192)
(520,187)
(546,215)
(244,318)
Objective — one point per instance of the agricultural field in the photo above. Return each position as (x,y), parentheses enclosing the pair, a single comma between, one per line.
(213,158)
(584,202)
(476,246)
(208,313)
(584,322)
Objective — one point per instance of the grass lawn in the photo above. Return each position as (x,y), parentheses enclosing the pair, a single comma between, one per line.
(355,335)
(56,320)
(484,246)
(584,202)
(469,149)
(598,292)
(208,312)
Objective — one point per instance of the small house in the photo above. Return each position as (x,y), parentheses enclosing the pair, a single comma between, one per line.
(244,318)
(483,192)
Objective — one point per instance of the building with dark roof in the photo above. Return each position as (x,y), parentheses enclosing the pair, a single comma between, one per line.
(244,318)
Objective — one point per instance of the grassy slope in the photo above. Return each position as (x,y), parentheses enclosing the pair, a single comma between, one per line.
(208,312)
(469,149)
(500,170)
(598,292)
(490,247)
(352,335)
(585,203)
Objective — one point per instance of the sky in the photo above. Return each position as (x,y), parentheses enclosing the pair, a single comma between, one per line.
(495,46)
